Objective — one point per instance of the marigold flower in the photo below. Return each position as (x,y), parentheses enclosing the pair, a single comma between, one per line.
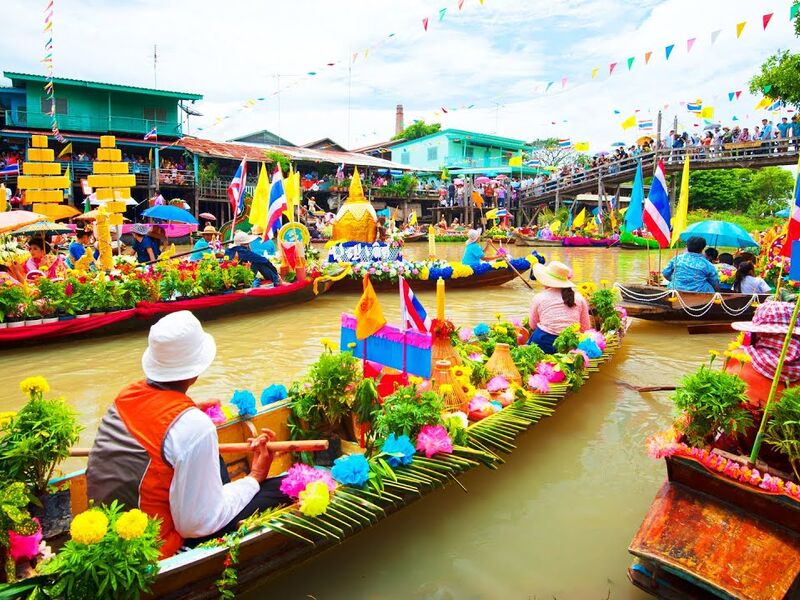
(89,527)
(446,388)
(37,384)
(131,525)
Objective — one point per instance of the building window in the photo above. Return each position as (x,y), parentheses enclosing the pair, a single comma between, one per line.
(433,153)
(152,113)
(61,105)
(469,152)
(405,158)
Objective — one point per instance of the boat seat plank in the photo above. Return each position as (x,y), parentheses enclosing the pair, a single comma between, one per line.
(718,546)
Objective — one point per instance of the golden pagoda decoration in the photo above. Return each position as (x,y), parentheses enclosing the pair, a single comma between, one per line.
(42,180)
(112,187)
(356,220)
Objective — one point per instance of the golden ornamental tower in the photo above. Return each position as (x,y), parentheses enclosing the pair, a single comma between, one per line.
(356,220)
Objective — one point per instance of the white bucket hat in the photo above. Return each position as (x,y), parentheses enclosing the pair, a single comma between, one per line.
(177,348)
(473,235)
(241,238)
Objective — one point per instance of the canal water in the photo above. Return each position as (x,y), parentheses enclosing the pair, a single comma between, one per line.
(553,522)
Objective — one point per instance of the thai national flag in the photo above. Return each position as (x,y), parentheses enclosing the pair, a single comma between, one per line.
(646,124)
(412,313)
(656,208)
(502,212)
(694,107)
(534,162)
(775,105)
(152,134)
(10,169)
(793,228)
(565,143)
(277,203)
(236,188)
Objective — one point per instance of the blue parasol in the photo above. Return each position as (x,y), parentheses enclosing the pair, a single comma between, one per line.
(783,213)
(720,233)
(165,212)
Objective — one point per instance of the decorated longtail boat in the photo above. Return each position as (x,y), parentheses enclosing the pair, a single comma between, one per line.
(628,241)
(658,303)
(474,391)
(526,237)
(575,241)
(726,522)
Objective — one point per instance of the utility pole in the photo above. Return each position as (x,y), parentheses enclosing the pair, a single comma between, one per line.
(349,90)
(658,132)
(155,65)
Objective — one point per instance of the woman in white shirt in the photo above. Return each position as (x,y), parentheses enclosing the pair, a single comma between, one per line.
(747,283)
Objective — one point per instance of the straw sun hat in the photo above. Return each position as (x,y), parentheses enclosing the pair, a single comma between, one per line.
(554,274)
(209,230)
(241,238)
(177,349)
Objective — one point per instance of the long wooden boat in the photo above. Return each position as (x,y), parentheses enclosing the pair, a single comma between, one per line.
(493,277)
(268,550)
(531,240)
(415,237)
(146,313)
(636,242)
(587,242)
(709,536)
(653,303)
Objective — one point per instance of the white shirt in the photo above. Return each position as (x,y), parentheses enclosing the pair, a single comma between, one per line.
(199,503)
(754,285)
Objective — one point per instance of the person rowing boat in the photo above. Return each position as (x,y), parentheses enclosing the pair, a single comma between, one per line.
(156,450)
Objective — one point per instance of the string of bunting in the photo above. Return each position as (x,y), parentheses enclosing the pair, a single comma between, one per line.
(47,60)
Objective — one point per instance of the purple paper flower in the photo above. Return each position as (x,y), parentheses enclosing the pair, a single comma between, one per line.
(538,383)
(498,383)
(300,475)
(464,334)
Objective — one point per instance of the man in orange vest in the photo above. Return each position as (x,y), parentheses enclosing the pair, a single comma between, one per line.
(157,451)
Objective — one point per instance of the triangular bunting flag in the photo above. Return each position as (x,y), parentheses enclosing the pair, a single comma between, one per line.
(765,20)
(549,83)
(563,82)
(594,72)
(425,23)
(715,35)
(630,62)
(355,56)
(668,50)
(460,4)
(611,68)
(730,96)
(735,118)
(738,93)
(442,12)
(767,88)
(794,10)
(740,29)
(647,56)
(689,44)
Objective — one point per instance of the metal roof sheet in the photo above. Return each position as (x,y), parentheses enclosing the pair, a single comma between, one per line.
(103,86)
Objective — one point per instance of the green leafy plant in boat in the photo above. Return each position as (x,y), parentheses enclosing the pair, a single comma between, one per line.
(783,427)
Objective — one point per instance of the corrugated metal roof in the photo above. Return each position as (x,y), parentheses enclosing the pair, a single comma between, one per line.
(239,151)
(131,89)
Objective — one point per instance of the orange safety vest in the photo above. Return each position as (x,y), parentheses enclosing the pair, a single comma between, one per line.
(757,385)
(127,460)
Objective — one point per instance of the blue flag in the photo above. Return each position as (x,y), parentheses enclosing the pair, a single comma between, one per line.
(633,217)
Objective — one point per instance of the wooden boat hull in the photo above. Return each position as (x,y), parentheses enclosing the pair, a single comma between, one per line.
(415,237)
(706,535)
(490,278)
(533,241)
(664,311)
(143,316)
(584,242)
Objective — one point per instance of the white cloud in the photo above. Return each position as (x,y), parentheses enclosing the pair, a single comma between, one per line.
(496,52)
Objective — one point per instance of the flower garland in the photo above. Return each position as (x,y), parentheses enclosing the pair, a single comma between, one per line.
(390,270)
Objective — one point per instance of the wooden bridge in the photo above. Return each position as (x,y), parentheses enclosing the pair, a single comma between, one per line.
(745,155)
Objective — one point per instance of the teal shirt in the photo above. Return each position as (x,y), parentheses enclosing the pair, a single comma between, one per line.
(200,248)
(260,246)
(473,254)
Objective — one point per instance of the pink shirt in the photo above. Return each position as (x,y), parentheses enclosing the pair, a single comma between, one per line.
(551,315)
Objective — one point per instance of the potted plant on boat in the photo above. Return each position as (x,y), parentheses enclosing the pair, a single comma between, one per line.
(13,299)
(15,522)
(50,295)
(33,443)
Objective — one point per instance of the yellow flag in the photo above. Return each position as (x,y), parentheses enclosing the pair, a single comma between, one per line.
(679,221)
(66,150)
(412,218)
(591,226)
(67,174)
(580,219)
(740,29)
(629,122)
(707,112)
(763,103)
(555,225)
(613,218)
(3,203)
(258,208)
(581,146)
(595,71)
(292,190)
(515,161)
(369,315)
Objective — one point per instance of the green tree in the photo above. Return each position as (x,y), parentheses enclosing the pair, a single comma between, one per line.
(780,74)
(550,154)
(770,190)
(720,189)
(418,129)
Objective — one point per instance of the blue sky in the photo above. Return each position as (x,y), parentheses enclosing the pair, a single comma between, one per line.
(493,56)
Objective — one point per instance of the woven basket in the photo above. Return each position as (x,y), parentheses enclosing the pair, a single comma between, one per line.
(501,363)
(454,400)
(442,349)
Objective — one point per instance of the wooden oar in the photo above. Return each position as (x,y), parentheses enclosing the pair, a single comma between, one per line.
(244,447)
(517,273)
(651,388)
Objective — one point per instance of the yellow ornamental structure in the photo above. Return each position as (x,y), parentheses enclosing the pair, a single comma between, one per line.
(42,180)
(356,220)
(112,187)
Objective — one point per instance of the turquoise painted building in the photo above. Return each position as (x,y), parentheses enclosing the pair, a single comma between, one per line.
(94,107)
(458,149)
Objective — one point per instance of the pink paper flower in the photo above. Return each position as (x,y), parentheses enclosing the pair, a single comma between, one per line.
(538,383)
(215,414)
(464,334)
(583,354)
(516,322)
(498,383)
(598,338)
(623,313)
(549,371)
(476,357)
(25,547)
(300,475)
(433,439)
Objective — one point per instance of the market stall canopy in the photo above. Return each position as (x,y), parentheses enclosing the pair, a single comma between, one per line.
(166,212)
(56,212)
(91,216)
(720,233)
(14,219)
(239,151)
(43,227)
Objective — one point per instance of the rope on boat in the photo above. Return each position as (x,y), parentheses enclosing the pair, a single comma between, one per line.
(693,311)
(346,268)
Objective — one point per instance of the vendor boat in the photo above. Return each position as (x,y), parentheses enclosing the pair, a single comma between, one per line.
(587,242)
(526,239)
(287,537)
(233,302)
(415,237)
(628,241)
(658,303)
(492,277)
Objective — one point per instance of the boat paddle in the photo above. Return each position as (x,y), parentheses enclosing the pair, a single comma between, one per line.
(182,254)
(244,447)
(517,273)
(644,389)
